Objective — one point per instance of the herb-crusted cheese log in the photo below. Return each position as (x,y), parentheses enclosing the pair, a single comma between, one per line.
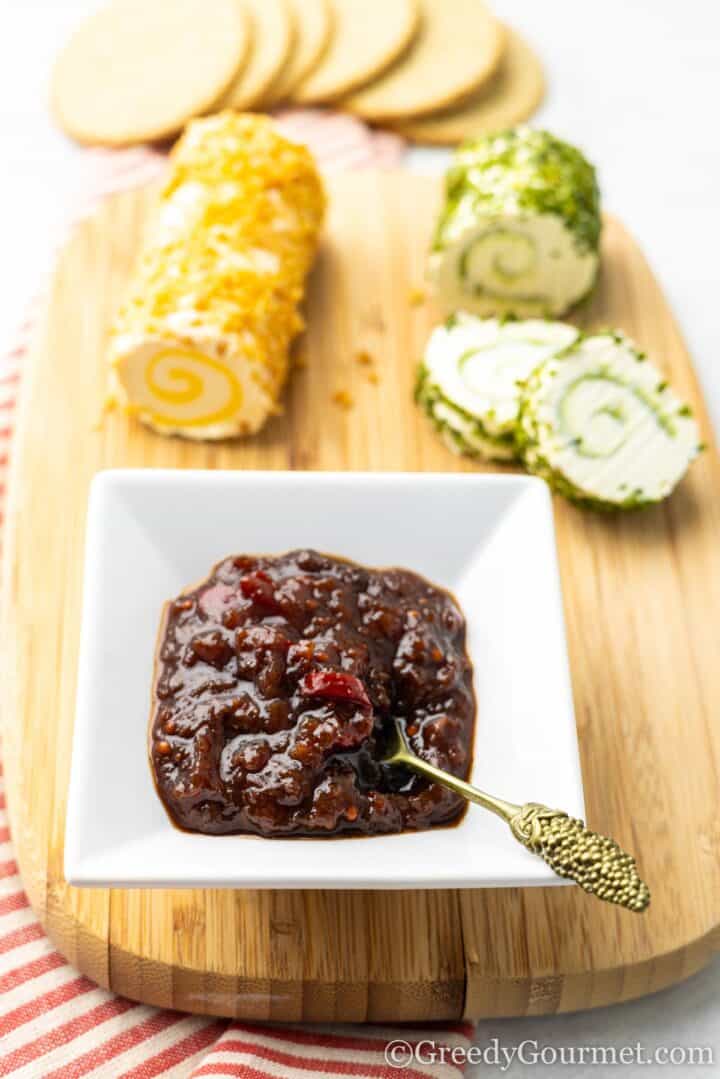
(200,348)
(469,380)
(520,228)
(601,425)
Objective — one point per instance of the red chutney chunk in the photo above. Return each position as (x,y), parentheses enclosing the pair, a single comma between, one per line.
(276,683)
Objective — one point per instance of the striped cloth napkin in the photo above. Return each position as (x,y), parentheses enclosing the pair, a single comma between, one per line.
(55,1023)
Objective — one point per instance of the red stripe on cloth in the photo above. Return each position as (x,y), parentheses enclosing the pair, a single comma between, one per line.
(315,1065)
(175,1054)
(245,1071)
(113,1047)
(45,1003)
(466,1029)
(64,1034)
(8,869)
(319,1067)
(5,432)
(328,1040)
(24,935)
(28,971)
(14,901)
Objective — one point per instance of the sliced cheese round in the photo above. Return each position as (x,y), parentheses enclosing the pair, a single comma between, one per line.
(477,365)
(461,433)
(602,426)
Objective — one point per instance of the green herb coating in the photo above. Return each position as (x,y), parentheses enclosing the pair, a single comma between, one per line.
(522,171)
(427,396)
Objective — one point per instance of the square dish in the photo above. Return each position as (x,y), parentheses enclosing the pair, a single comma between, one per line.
(489,539)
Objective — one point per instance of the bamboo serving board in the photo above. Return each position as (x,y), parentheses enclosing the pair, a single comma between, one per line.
(642,598)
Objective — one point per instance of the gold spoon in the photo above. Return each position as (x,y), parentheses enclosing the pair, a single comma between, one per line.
(593,861)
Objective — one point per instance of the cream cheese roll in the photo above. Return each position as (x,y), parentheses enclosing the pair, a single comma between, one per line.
(200,347)
(519,230)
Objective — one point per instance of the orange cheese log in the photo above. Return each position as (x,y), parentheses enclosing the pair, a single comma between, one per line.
(200,347)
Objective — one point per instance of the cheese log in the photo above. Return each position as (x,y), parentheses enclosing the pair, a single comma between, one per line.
(519,229)
(200,347)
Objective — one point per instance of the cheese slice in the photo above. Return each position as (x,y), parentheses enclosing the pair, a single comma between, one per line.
(602,426)
(472,373)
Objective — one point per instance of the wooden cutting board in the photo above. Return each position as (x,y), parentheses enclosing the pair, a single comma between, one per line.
(642,597)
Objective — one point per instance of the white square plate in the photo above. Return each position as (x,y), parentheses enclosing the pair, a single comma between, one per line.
(487,538)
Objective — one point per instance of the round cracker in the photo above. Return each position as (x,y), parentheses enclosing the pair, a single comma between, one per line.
(458,50)
(368,36)
(272,23)
(313,29)
(512,96)
(139,70)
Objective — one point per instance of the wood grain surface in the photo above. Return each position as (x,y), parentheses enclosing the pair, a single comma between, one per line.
(642,598)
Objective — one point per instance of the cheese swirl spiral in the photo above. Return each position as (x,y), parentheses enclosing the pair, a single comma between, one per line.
(190,389)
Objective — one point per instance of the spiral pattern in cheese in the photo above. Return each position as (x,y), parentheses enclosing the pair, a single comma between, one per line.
(189,382)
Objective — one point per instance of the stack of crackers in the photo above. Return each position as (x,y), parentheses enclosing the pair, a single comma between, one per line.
(436,71)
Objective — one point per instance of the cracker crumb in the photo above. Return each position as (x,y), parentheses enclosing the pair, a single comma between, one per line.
(364,359)
(109,405)
(343,398)
(373,377)
(417,296)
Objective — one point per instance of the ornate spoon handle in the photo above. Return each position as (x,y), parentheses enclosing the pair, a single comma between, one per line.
(593,861)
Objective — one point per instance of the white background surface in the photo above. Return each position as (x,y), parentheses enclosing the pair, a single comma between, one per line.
(636,83)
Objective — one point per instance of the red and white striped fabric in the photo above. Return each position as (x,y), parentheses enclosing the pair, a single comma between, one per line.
(55,1023)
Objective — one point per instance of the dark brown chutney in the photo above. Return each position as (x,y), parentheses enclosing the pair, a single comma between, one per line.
(276,682)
